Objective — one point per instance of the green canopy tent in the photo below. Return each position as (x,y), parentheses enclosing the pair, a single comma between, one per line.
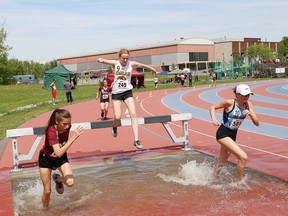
(61,74)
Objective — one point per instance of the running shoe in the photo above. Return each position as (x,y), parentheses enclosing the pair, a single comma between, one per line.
(114,131)
(59,185)
(137,144)
(102,114)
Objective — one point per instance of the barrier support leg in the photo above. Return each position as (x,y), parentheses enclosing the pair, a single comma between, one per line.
(184,138)
(15,154)
(185,134)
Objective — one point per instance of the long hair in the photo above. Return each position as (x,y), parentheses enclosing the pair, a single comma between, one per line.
(56,116)
(102,82)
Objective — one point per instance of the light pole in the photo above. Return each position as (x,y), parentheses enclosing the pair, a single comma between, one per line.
(232,66)
(222,65)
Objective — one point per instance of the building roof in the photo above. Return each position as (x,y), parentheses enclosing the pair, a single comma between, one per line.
(181,41)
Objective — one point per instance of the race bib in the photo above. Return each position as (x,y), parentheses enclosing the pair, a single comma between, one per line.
(105,96)
(235,124)
(122,84)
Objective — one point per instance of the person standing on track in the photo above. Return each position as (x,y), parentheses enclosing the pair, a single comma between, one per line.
(105,93)
(122,90)
(53,155)
(213,78)
(234,113)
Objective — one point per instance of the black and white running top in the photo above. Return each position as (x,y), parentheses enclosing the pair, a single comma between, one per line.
(122,78)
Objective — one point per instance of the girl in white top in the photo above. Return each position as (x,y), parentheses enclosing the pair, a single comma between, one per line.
(122,89)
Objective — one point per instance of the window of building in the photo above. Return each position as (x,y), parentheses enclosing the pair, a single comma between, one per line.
(198,56)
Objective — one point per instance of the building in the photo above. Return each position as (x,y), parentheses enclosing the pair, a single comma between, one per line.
(194,53)
(224,48)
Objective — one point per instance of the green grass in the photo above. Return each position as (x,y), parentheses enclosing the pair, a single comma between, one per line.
(17,96)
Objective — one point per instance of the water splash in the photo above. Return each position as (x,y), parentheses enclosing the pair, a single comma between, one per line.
(191,173)
(176,184)
(27,198)
(202,174)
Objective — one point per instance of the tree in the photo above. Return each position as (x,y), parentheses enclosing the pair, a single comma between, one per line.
(283,49)
(259,51)
(259,54)
(3,47)
(15,66)
(5,76)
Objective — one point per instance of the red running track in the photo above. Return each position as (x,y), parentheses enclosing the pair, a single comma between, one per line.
(266,154)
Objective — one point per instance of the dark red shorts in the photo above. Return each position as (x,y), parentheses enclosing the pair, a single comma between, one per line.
(54,93)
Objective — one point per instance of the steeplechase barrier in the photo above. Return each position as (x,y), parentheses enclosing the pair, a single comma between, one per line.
(40,132)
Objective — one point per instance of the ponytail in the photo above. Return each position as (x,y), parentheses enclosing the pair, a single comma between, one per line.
(234,90)
(56,116)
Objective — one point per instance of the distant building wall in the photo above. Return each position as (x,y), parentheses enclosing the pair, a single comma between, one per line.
(164,55)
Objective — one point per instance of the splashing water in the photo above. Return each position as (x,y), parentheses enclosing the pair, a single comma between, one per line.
(202,174)
(191,173)
(27,198)
(172,184)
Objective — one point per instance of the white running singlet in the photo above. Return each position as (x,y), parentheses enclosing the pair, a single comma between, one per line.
(122,78)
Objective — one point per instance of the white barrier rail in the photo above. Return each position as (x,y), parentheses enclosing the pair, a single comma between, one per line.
(39,132)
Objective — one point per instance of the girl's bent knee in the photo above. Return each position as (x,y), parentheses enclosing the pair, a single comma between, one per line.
(243,159)
(69,182)
(117,118)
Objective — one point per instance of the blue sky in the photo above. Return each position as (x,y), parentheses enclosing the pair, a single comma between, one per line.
(43,30)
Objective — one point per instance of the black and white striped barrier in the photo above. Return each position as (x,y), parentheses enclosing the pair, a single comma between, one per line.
(40,131)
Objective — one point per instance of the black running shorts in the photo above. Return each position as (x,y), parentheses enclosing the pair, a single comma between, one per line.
(122,96)
(44,162)
(104,100)
(223,132)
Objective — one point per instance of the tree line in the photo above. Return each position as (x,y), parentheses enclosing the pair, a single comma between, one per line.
(12,67)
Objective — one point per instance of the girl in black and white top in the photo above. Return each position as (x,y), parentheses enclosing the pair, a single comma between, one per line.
(122,89)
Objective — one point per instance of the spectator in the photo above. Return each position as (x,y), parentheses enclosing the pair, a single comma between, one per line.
(68,88)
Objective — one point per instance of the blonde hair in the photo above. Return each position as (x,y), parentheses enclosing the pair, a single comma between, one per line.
(123,51)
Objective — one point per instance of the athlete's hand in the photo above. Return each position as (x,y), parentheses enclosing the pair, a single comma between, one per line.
(246,112)
(78,131)
(100,60)
(216,123)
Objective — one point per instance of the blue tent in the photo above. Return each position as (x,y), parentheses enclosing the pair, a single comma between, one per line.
(163,73)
